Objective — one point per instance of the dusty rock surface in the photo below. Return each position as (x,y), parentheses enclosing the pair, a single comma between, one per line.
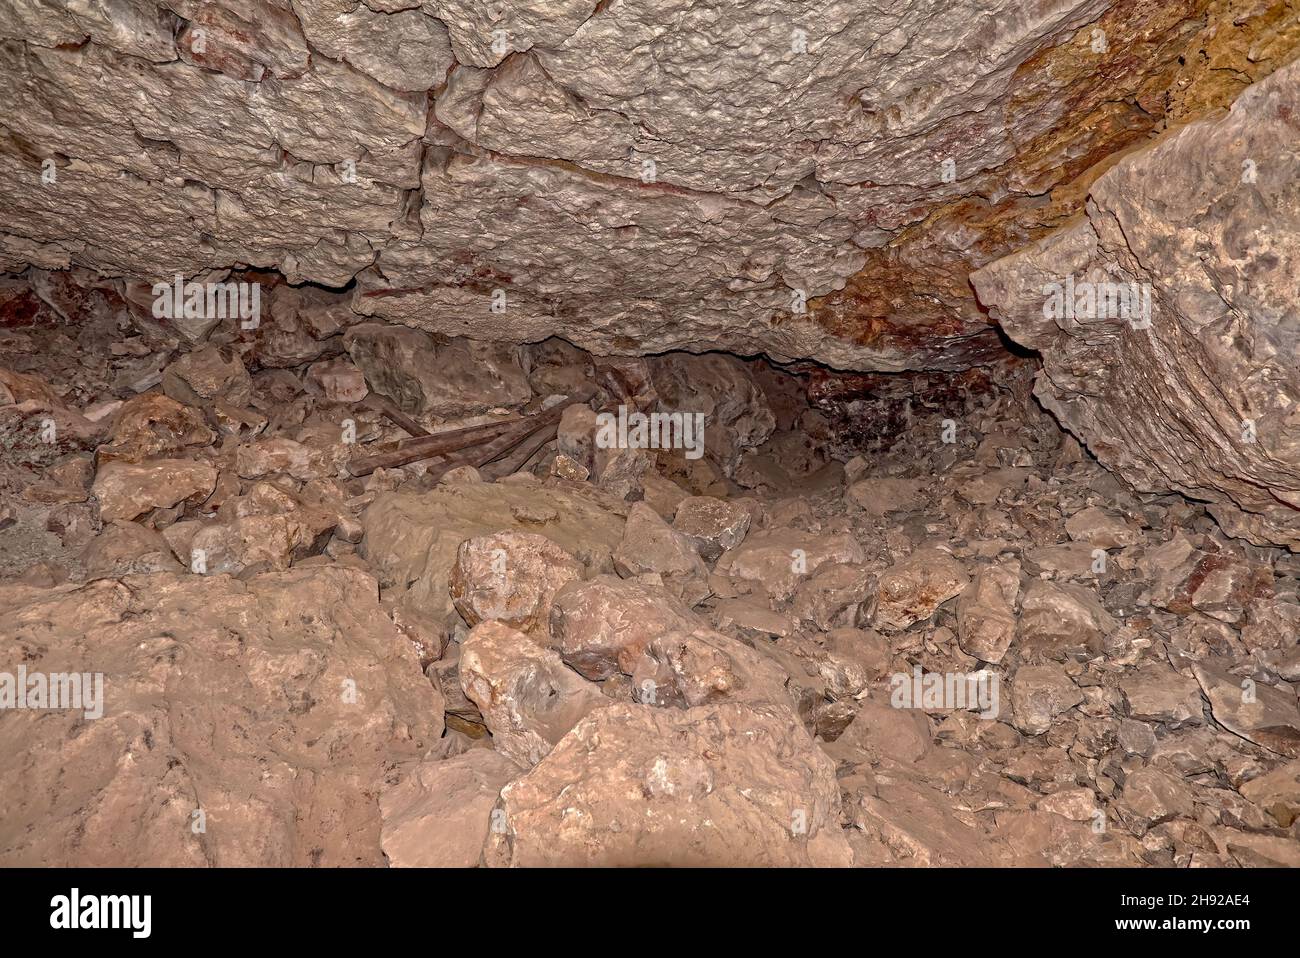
(865,161)
(1196,395)
(892,617)
(319,693)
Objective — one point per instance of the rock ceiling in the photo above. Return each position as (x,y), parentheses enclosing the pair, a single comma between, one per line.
(810,180)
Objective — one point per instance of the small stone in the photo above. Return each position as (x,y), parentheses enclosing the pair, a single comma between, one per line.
(565,468)
(1136,738)
(1063,619)
(152,426)
(1076,804)
(1039,695)
(720,785)
(880,496)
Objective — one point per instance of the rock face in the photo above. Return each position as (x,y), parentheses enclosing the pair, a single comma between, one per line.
(434,152)
(318,693)
(1201,399)
(722,785)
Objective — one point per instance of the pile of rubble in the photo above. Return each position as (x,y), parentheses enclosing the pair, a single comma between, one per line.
(360,594)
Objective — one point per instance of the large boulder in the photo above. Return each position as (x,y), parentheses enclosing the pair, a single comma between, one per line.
(243,723)
(721,785)
(1198,394)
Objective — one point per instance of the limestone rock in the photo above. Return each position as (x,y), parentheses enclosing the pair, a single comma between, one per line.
(318,693)
(1257,712)
(1039,694)
(412,540)
(779,559)
(528,696)
(913,589)
(460,378)
(338,380)
(439,814)
(986,612)
(1156,693)
(713,525)
(151,426)
(736,414)
(651,545)
(511,578)
(833,596)
(207,374)
(879,496)
(128,490)
(1194,391)
(1060,619)
(126,548)
(719,785)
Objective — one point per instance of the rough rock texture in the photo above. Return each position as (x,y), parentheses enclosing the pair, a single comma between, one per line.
(318,693)
(1203,400)
(439,813)
(510,577)
(716,785)
(528,697)
(412,539)
(651,545)
(831,173)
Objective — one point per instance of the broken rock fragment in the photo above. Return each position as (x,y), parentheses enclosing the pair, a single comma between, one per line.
(439,814)
(1259,713)
(713,525)
(1039,694)
(719,785)
(986,612)
(651,545)
(1156,693)
(779,559)
(913,589)
(594,623)
(206,374)
(528,696)
(128,490)
(459,378)
(510,577)
(1059,619)
(318,694)
(151,426)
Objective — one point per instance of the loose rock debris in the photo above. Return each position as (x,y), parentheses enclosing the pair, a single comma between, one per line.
(316,652)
